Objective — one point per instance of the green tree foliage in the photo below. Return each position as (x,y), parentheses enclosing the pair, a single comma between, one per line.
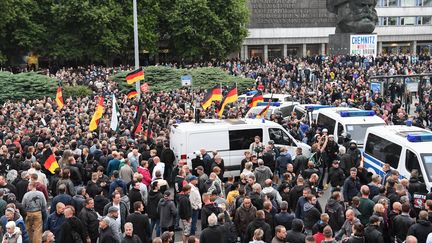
(85,31)
(76,91)
(26,85)
(164,78)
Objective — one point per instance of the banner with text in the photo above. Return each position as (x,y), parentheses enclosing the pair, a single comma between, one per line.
(364,45)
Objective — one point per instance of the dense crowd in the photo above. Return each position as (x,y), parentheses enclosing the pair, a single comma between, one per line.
(113,187)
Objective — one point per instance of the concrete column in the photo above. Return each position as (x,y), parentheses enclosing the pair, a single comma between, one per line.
(246,52)
(323,48)
(379,47)
(414,47)
(285,50)
(304,51)
(265,52)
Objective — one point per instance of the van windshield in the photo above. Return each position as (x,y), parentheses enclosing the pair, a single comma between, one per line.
(255,111)
(358,131)
(427,162)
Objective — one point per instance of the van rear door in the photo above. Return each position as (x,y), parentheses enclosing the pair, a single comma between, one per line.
(210,141)
(240,141)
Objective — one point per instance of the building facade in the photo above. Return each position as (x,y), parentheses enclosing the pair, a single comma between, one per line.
(281,28)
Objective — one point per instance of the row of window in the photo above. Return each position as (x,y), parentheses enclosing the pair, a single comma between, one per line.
(401,21)
(405,3)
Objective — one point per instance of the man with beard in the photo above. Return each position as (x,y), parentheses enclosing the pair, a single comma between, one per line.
(354,16)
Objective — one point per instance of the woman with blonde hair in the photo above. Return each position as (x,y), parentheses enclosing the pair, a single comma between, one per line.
(13,233)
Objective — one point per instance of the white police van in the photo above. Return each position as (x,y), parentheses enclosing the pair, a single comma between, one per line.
(231,138)
(246,98)
(403,147)
(339,120)
(308,111)
(284,108)
(277,98)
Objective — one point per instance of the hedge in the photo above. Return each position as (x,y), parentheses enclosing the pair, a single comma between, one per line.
(164,78)
(77,91)
(26,85)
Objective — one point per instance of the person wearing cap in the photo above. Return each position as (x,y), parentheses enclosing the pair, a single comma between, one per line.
(167,212)
(202,178)
(372,233)
(122,209)
(355,154)
(336,176)
(195,200)
(106,234)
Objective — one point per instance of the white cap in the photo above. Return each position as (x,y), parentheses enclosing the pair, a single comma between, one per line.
(353,141)
(325,130)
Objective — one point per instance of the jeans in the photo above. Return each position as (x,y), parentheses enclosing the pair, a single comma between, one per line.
(195,214)
(34,226)
(155,223)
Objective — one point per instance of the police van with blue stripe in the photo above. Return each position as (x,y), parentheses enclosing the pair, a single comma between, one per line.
(404,148)
(353,121)
(283,108)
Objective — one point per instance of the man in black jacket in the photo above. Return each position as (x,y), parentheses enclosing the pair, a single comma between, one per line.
(259,223)
(106,233)
(185,211)
(72,230)
(372,234)
(140,222)
(402,222)
(351,187)
(336,211)
(422,228)
(295,235)
(90,221)
(212,233)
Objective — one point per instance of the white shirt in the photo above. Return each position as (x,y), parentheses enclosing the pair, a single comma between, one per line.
(159,167)
(195,197)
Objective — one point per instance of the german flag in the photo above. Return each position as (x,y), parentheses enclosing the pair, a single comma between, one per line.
(135,76)
(132,94)
(258,97)
(59,98)
(231,97)
(138,120)
(214,94)
(97,115)
(49,160)
(264,111)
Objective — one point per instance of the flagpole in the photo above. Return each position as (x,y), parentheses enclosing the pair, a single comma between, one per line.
(136,48)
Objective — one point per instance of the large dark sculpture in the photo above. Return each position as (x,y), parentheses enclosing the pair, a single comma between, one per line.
(354,16)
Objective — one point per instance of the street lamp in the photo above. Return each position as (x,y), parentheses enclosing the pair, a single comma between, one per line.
(136,49)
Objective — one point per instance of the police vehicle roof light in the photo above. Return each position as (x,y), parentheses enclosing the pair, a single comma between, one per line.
(277,104)
(423,137)
(356,113)
(250,93)
(317,107)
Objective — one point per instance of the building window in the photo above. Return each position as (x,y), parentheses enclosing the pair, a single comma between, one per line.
(407,20)
(409,3)
(383,21)
(392,3)
(426,20)
(392,21)
(426,3)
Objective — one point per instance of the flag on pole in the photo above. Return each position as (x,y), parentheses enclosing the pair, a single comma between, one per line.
(115,114)
(231,97)
(97,115)
(59,98)
(258,97)
(264,111)
(138,121)
(132,94)
(214,94)
(49,160)
(135,76)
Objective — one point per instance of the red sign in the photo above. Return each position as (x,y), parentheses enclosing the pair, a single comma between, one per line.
(144,88)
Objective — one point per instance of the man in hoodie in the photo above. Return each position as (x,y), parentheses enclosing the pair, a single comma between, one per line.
(167,212)
(284,218)
(335,210)
(243,216)
(282,161)
(268,189)
(295,235)
(262,173)
(185,211)
(422,228)
(372,233)
(258,223)
(154,198)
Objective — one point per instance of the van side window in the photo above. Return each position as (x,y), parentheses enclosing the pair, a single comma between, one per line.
(412,162)
(326,122)
(280,137)
(383,150)
(340,129)
(286,110)
(241,139)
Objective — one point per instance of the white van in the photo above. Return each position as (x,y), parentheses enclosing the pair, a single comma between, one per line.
(231,138)
(353,121)
(277,97)
(403,147)
(285,108)
(246,98)
(308,111)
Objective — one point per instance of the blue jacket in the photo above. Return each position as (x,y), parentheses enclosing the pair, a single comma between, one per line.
(54,223)
(64,198)
(113,165)
(282,161)
(117,183)
(18,222)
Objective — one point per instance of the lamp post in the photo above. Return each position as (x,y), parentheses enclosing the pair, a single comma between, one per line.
(136,49)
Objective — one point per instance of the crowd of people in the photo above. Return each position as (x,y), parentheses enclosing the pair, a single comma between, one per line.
(112,186)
